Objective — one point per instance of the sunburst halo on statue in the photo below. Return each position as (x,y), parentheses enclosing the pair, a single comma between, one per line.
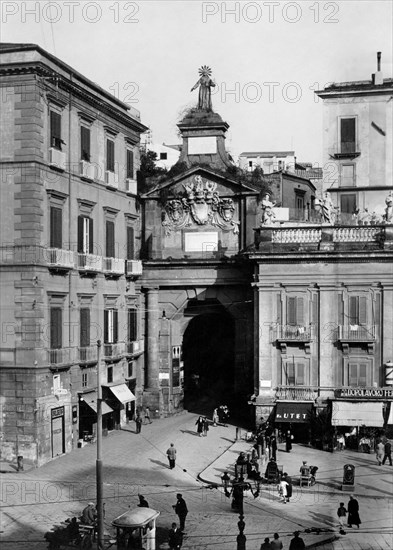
(205,71)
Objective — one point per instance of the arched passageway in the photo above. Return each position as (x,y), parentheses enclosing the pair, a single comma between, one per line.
(209,356)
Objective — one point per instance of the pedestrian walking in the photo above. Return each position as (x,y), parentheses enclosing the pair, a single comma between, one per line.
(266,545)
(147,415)
(341,442)
(273,447)
(289,485)
(181,510)
(288,441)
(205,426)
(142,502)
(388,453)
(353,512)
(215,417)
(342,514)
(297,543)
(171,454)
(199,425)
(380,449)
(175,539)
(276,543)
(138,422)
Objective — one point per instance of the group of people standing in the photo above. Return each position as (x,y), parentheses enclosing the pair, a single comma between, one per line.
(202,425)
(297,543)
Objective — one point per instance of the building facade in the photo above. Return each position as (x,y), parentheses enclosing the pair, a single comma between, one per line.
(358,144)
(69,256)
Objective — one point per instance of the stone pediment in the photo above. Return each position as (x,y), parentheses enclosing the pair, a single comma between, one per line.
(177,185)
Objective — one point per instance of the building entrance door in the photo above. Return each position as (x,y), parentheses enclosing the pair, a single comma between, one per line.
(57,419)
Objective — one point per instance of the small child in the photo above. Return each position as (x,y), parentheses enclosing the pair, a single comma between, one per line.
(341,512)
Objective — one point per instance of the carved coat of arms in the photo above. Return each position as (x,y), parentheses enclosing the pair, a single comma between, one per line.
(201,205)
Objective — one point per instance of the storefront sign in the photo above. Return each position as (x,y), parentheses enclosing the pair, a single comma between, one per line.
(382,394)
(293,412)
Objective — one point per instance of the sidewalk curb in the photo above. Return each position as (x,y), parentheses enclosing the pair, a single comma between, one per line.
(199,476)
(321,542)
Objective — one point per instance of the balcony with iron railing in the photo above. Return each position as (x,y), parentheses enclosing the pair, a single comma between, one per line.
(297,393)
(114,351)
(90,263)
(357,333)
(87,354)
(133,268)
(292,332)
(113,266)
(135,348)
(60,356)
(58,258)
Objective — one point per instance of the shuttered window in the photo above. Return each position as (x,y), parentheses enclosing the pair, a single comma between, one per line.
(85,143)
(357,310)
(55,130)
(130,164)
(130,243)
(85,235)
(348,204)
(295,311)
(56,316)
(132,325)
(110,326)
(296,373)
(348,135)
(84,321)
(300,374)
(110,155)
(110,239)
(357,374)
(56,227)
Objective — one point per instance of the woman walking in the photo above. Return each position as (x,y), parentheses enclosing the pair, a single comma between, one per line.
(353,512)
(380,452)
(199,424)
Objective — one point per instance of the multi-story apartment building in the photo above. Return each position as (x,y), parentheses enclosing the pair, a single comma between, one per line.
(70,231)
(358,144)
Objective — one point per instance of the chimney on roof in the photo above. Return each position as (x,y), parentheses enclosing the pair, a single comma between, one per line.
(378,76)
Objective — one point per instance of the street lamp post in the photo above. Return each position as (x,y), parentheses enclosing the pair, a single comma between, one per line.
(239,485)
(99,480)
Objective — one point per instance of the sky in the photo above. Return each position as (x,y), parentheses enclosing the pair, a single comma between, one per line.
(267,58)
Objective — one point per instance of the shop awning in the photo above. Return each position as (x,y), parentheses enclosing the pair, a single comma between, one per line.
(354,413)
(293,411)
(122,393)
(90,398)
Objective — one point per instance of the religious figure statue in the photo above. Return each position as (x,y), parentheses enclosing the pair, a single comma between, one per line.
(268,215)
(388,216)
(204,83)
(327,208)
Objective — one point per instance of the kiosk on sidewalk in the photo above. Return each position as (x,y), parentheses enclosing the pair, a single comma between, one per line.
(136,529)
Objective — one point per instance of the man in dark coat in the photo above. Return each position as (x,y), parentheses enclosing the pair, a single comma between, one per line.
(353,512)
(273,447)
(89,514)
(138,422)
(143,502)
(288,441)
(388,453)
(181,510)
(297,543)
(175,538)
